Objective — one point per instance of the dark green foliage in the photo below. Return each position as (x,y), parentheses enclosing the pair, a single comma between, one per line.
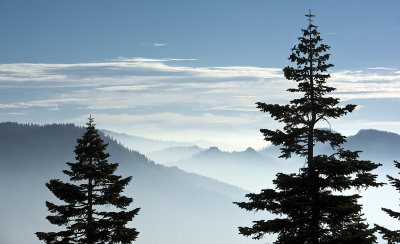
(392,236)
(83,213)
(309,205)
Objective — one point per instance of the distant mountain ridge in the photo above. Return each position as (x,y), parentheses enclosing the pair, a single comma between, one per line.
(59,140)
(142,144)
(375,144)
(235,168)
(253,170)
(147,145)
(172,154)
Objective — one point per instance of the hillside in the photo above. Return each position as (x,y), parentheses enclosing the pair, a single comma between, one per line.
(171,154)
(142,144)
(175,205)
(254,170)
(248,169)
(375,145)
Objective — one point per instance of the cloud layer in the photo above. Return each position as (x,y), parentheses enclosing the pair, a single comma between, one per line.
(170,93)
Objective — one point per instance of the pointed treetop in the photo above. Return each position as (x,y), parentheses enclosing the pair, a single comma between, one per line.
(91,119)
(310,16)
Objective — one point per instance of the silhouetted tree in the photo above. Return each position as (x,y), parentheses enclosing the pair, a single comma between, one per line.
(392,236)
(97,187)
(309,202)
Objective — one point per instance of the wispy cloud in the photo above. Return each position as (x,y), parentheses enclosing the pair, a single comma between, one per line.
(165,95)
(128,88)
(380,68)
(47,103)
(159,44)
(108,106)
(383,123)
(361,76)
(17,113)
(181,127)
(155,82)
(154,44)
(170,119)
(237,108)
(138,59)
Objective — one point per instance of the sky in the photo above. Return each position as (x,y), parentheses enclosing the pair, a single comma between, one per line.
(190,70)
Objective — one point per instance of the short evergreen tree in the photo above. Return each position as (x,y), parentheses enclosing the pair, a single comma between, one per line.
(392,236)
(309,203)
(95,188)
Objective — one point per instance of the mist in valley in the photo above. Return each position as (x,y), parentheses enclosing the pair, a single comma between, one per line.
(254,170)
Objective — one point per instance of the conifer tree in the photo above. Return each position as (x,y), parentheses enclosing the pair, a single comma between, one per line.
(309,204)
(94,189)
(392,236)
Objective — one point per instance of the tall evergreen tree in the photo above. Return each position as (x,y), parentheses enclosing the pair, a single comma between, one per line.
(309,203)
(97,187)
(392,236)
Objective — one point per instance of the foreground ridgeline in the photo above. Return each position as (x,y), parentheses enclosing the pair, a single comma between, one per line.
(84,213)
(392,236)
(309,205)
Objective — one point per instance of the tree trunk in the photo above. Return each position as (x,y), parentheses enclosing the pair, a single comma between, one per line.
(89,231)
(314,225)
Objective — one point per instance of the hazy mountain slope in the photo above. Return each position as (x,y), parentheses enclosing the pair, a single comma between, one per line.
(172,154)
(146,145)
(141,144)
(376,145)
(247,169)
(254,170)
(176,207)
(382,147)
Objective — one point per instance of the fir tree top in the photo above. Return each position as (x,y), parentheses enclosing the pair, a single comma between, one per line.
(302,114)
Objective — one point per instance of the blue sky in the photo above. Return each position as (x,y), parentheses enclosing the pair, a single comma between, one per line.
(190,70)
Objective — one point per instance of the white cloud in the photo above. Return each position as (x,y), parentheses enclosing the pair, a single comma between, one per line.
(239,132)
(48,103)
(128,88)
(380,68)
(170,119)
(168,96)
(138,59)
(368,90)
(121,71)
(107,106)
(383,123)
(360,76)
(17,113)
(155,44)
(125,83)
(236,108)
